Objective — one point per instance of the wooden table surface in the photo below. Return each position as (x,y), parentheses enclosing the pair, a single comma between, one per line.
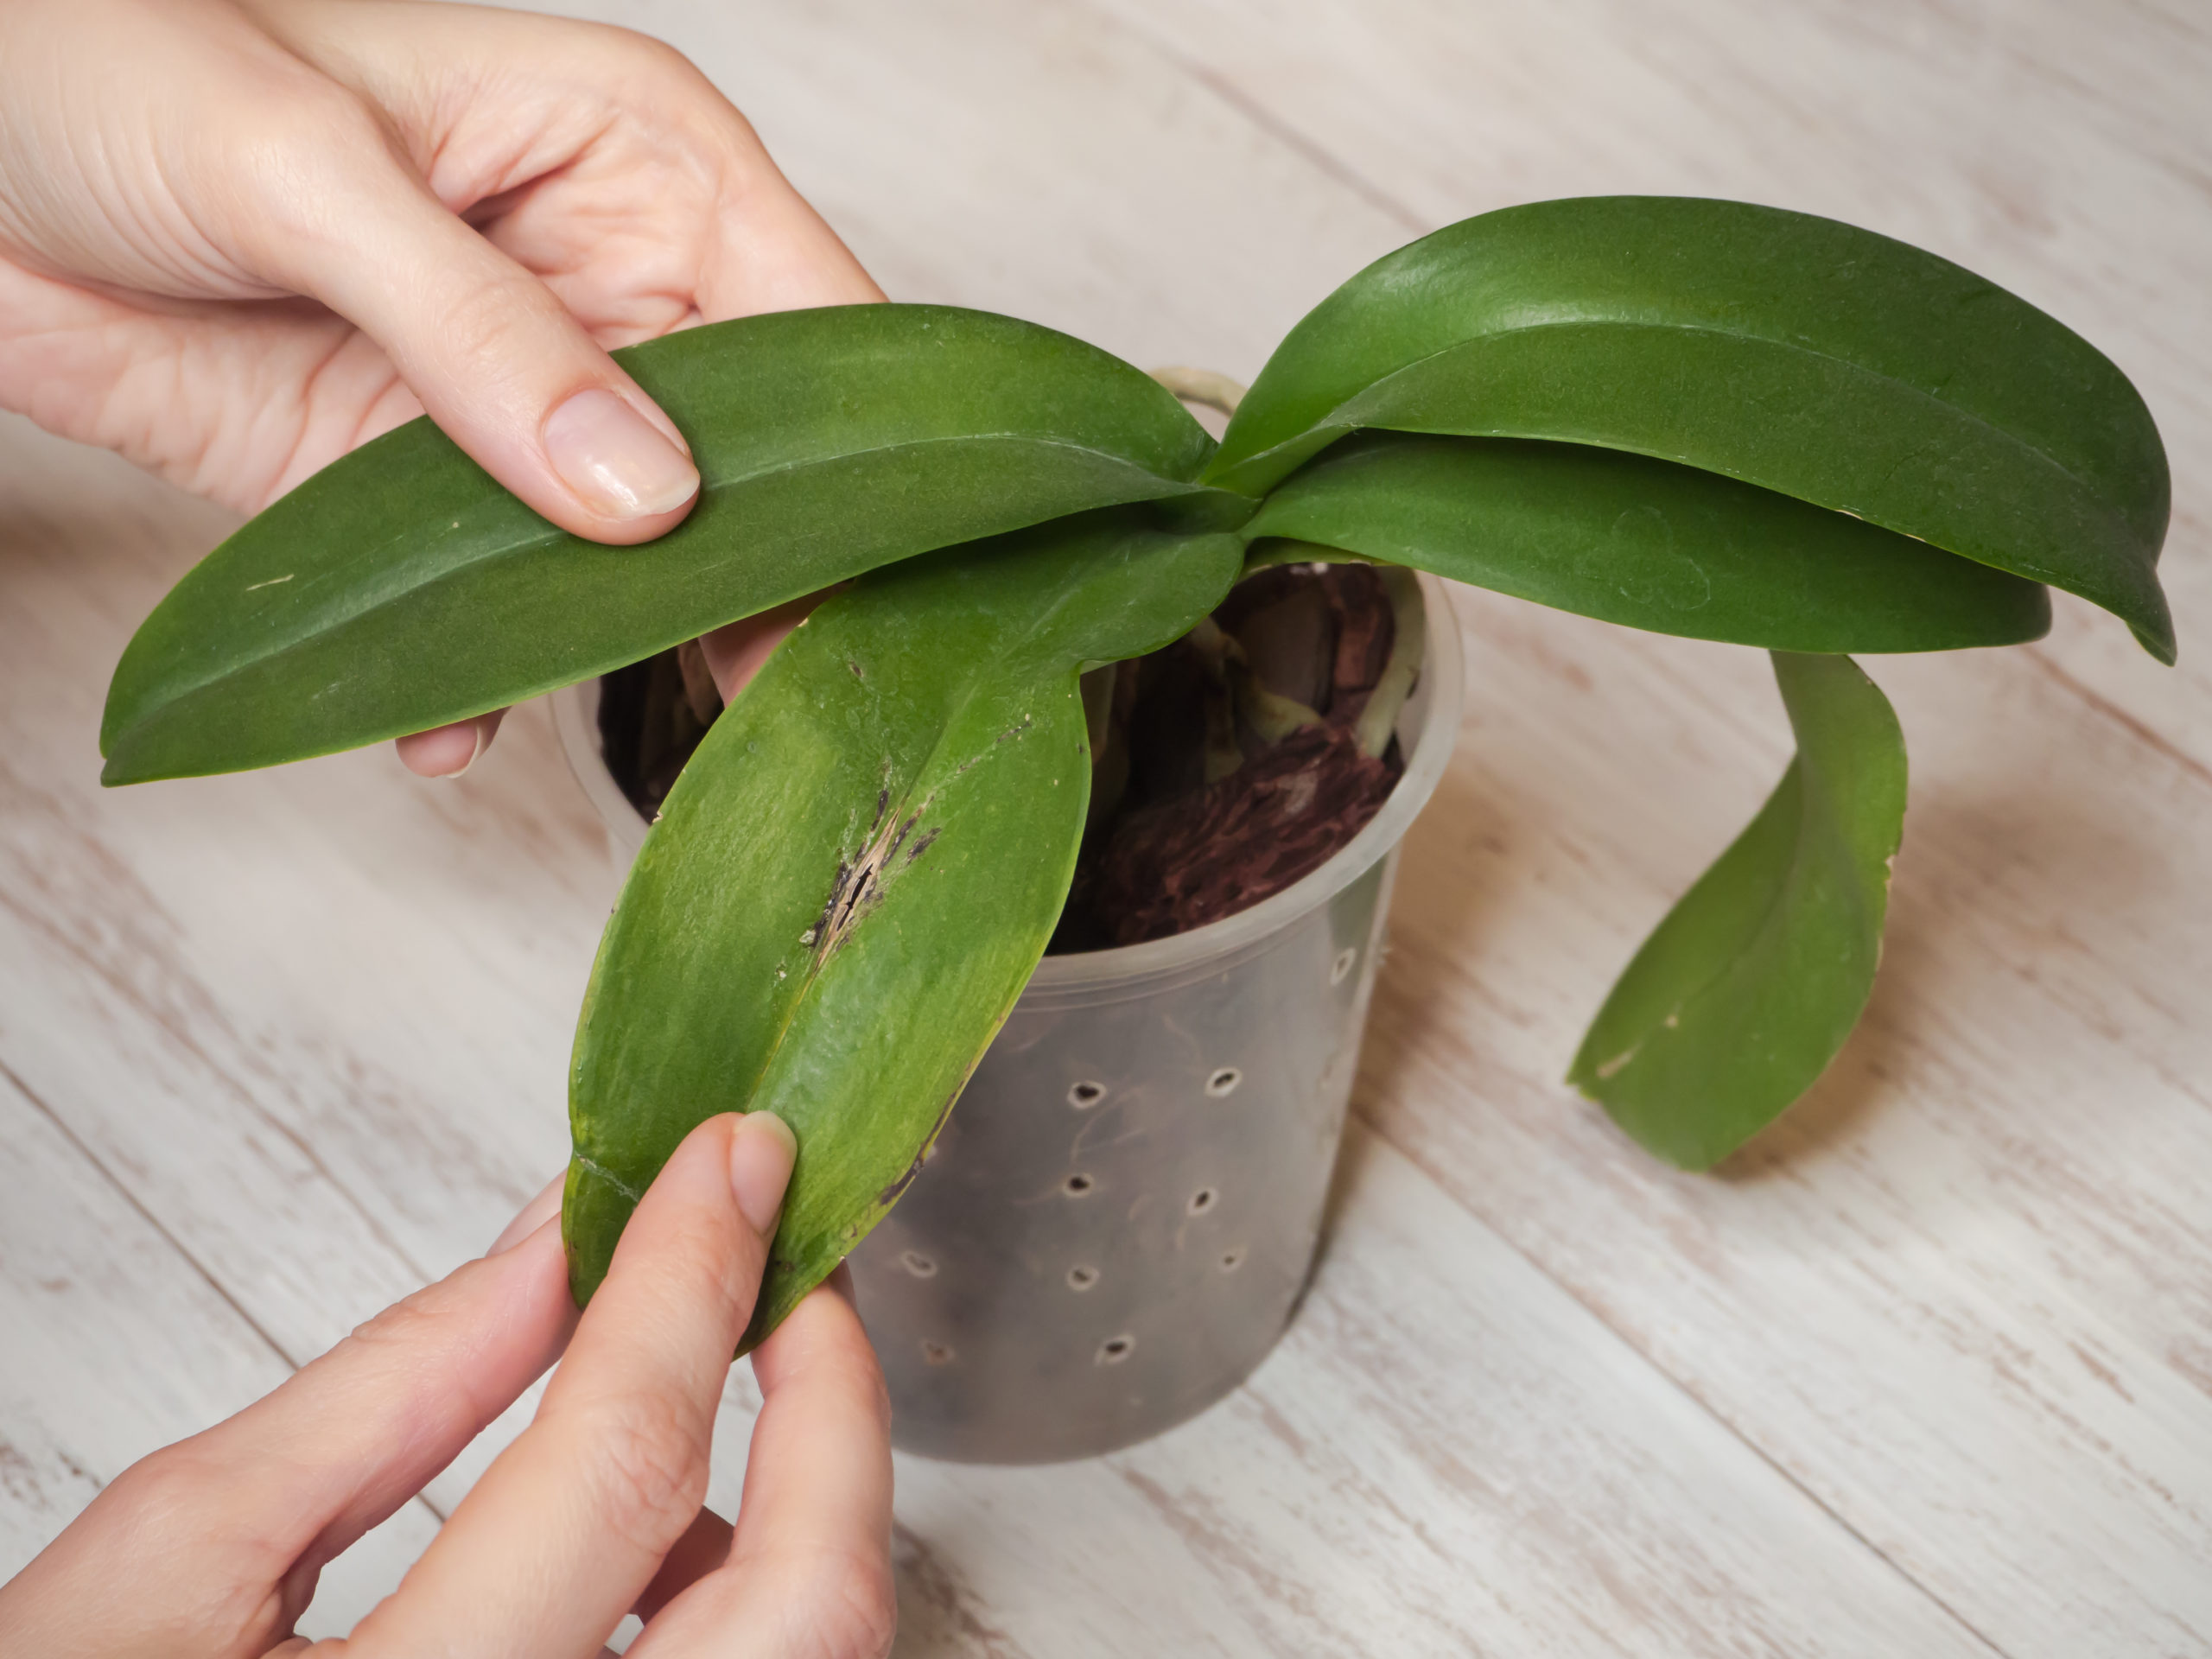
(1927,1370)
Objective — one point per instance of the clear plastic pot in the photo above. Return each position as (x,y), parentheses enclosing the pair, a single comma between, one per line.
(1117,1220)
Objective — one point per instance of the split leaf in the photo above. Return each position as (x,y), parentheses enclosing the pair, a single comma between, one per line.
(856,873)
(1647,543)
(1793,353)
(401,587)
(1742,994)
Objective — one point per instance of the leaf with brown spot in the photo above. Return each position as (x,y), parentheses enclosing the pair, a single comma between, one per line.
(783,943)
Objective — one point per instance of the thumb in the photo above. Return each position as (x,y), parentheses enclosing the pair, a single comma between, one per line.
(496,358)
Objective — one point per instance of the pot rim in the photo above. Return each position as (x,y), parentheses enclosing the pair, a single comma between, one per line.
(1430,718)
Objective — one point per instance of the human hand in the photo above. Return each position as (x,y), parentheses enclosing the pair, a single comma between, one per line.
(210,1547)
(239,237)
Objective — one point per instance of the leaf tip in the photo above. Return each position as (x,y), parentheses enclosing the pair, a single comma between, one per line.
(2160,643)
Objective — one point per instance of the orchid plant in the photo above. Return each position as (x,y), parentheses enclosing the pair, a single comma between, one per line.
(1697,418)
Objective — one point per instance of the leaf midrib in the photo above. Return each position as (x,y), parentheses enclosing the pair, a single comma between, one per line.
(954,711)
(1333,418)
(325,622)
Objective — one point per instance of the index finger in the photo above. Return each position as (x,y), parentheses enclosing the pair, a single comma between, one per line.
(808,1569)
(568,1526)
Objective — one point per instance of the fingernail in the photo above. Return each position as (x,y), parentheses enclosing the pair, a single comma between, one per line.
(613,457)
(761,1154)
(434,754)
(479,740)
(531,1217)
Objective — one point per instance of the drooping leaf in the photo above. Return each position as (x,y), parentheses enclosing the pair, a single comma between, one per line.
(1789,352)
(1744,991)
(1647,543)
(401,587)
(855,874)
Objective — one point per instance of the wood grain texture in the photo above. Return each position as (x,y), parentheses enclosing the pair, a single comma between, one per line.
(1926,1369)
(118,1344)
(1525,1485)
(1960,1293)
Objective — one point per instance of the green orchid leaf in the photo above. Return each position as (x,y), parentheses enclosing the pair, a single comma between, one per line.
(1648,543)
(401,587)
(857,871)
(1792,353)
(1744,991)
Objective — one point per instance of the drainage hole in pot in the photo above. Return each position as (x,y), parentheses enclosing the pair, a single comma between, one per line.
(1076,1185)
(1085,1096)
(1232,1260)
(1223,1081)
(1082,1278)
(918,1264)
(1115,1350)
(1202,1201)
(1342,965)
(936,1353)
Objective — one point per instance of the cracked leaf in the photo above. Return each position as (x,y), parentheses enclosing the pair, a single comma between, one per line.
(855,876)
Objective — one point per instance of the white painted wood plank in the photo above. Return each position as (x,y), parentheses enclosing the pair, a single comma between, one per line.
(244,937)
(1034,158)
(102,1009)
(210,1088)
(117,1344)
